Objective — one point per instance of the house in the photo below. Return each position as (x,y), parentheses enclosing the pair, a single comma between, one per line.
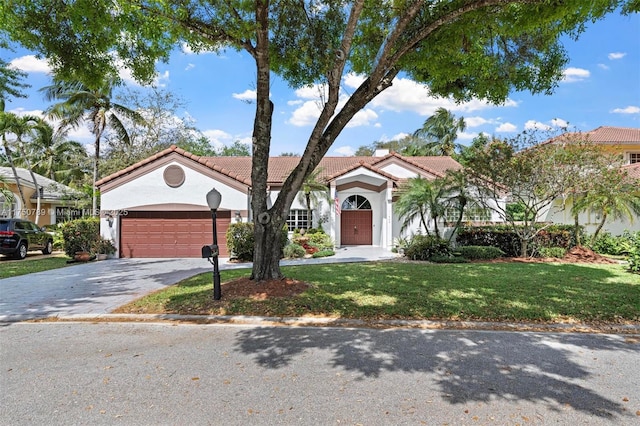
(56,200)
(617,140)
(157,207)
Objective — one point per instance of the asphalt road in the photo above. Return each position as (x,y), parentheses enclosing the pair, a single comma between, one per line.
(169,374)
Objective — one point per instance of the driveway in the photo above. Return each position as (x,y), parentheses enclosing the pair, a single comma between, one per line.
(96,288)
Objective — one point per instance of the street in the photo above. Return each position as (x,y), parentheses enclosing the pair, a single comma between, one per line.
(177,374)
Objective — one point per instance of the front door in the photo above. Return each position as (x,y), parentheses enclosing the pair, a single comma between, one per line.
(356,227)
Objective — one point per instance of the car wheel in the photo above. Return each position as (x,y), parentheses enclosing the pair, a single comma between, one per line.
(48,247)
(21,253)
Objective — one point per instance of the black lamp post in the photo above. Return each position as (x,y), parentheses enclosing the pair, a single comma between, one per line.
(213,200)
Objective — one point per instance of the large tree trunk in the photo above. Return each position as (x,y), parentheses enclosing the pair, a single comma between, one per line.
(267,222)
(9,154)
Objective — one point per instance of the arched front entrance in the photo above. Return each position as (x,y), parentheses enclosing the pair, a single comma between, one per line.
(356,220)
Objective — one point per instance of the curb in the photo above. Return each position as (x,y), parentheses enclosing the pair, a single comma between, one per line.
(343,323)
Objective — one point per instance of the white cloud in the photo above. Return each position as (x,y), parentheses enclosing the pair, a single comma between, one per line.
(247,95)
(218,138)
(631,109)
(476,121)
(305,115)
(189,67)
(506,127)
(466,136)
(616,55)
(364,117)
(572,75)
(345,151)
(536,125)
(559,122)
(407,95)
(30,63)
(603,66)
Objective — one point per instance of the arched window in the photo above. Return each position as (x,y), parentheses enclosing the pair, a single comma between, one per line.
(356,202)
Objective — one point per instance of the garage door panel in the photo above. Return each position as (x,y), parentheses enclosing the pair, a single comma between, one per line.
(170,234)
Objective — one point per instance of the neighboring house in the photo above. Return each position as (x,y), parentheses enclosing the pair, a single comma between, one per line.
(620,140)
(56,199)
(157,207)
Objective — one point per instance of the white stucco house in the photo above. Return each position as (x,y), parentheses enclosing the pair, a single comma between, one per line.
(157,207)
(622,141)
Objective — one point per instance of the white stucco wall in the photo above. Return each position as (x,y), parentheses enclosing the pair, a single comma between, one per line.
(560,213)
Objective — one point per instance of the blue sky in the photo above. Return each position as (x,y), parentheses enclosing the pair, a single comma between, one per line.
(601,87)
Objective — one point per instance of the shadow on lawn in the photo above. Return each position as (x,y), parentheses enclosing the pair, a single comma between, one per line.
(467,366)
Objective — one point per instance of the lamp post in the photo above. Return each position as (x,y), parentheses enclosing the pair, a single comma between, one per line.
(213,200)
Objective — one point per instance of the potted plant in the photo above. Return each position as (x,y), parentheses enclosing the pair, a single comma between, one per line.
(103,248)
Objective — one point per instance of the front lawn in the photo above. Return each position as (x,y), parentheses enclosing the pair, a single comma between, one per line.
(13,268)
(532,292)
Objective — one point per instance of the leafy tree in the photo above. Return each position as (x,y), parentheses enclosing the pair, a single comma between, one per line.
(161,128)
(237,149)
(10,79)
(313,190)
(80,102)
(526,174)
(439,132)
(463,49)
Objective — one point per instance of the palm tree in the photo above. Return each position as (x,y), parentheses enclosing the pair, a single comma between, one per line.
(440,131)
(421,198)
(80,102)
(312,191)
(614,196)
(54,156)
(22,126)
(458,195)
(6,121)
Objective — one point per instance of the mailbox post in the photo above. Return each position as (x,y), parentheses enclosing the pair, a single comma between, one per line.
(213,200)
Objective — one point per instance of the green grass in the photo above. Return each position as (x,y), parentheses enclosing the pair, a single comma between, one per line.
(14,268)
(536,292)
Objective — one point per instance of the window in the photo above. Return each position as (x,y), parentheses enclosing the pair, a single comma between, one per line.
(634,157)
(472,213)
(298,219)
(356,202)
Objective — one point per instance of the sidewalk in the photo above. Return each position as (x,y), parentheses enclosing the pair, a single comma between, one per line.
(96,288)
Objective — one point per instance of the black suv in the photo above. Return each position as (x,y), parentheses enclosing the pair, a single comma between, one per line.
(18,236)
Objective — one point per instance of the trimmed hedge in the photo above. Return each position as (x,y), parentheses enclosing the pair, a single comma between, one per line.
(80,235)
(505,238)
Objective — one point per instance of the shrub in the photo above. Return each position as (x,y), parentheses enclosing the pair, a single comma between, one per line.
(293,251)
(557,252)
(241,241)
(321,240)
(618,245)
(80,235)
(423,247)
(480,252)
(103,246)
(505,238)
(633,254)
(324,253)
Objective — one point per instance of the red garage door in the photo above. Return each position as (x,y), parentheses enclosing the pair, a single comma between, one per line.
(171,233)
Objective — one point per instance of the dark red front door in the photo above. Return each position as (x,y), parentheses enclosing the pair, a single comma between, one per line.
(356,227)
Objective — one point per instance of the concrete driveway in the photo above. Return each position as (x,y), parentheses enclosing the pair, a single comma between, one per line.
(99,287)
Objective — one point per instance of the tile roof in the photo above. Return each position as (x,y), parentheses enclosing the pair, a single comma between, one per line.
(633,171)
(239,168)
(608,135)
